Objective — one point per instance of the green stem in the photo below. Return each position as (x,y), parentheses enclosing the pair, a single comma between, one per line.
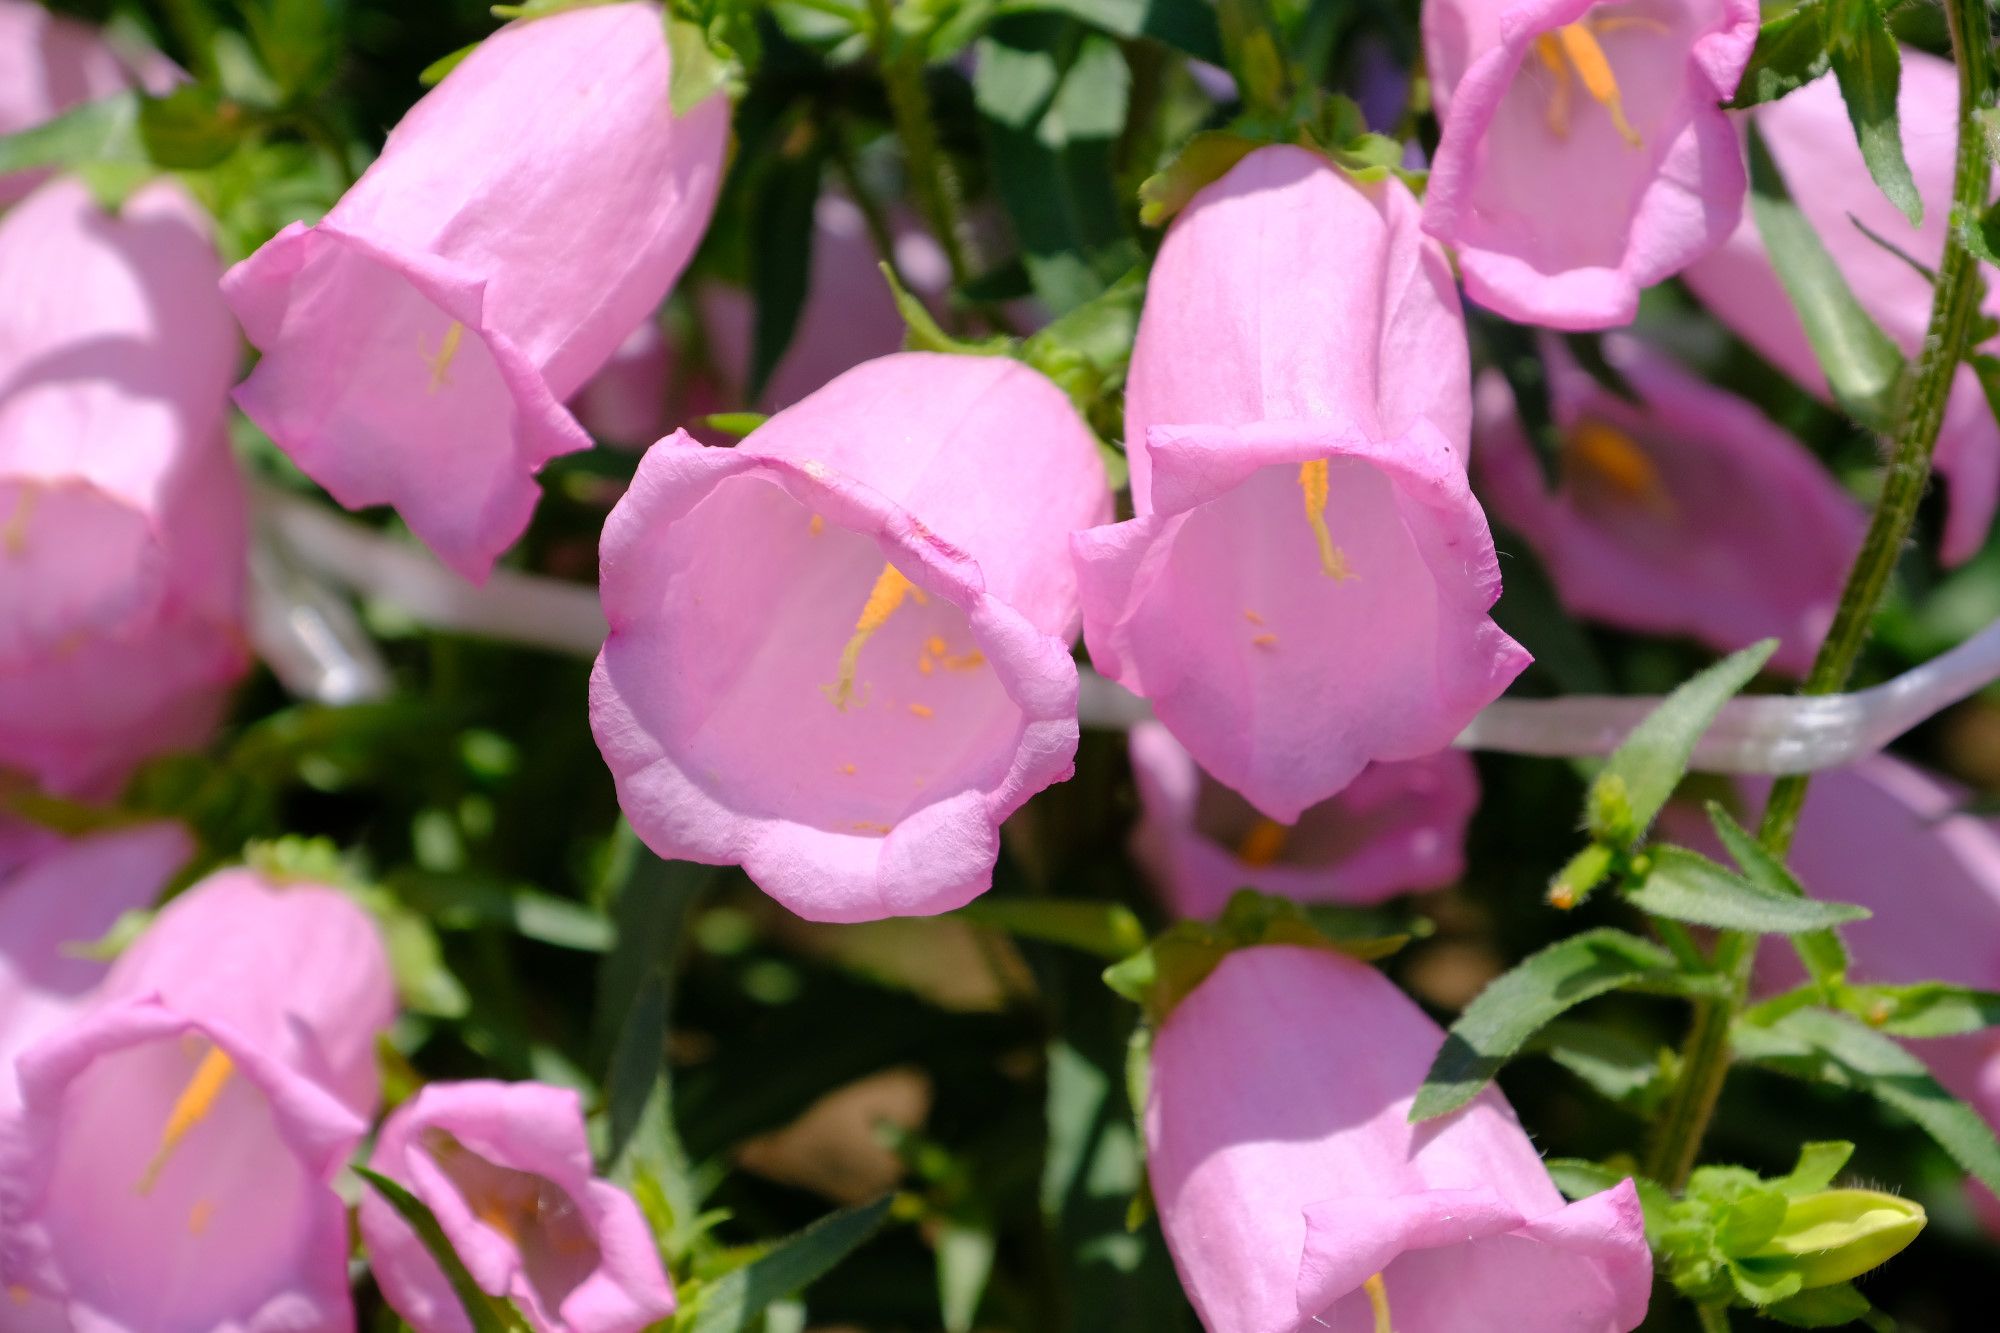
(931,175)
(1705,1057)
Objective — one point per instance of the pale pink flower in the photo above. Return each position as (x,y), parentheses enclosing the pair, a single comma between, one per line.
(1296,1196)
(122,524)
(1688,512)
(505,1168)
(839,652)
(1396,828)
(1305,587)
(49,65)
(1813,145)
(1584,153)
(522,220)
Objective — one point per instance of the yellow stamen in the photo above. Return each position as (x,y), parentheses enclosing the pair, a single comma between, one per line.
(849,769)
(870,826)
(1313,481)
(888,593)
(1614,458)
(1264,843)
(18,1294)
(1265,641)
(1575,47)
(923,710)
(193,1106)
(935,646)
(447,350)
(818,525)
(14,532)
(971,661)
(200,1215)
(1252,617)
(926,665)
(1378,1301)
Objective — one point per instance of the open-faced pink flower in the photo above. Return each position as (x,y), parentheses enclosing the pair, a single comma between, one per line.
(839,652)
(506,1169)
(49,64)
(170,1169)
(1584,153)
(122,526)
(1305,588)
(70,893)
(1295,1195)
(1687,512)
(1398,827)
(522,220)
(1813,145)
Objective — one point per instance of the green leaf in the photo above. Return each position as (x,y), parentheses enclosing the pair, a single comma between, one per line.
(1926,1009)
(191,127)
(1869,67)
(433,73)
(964,1266)
(1822,952)
(1109,930)
(699,70)
(464,902)
(732,1303)
(1684,885)
(1818,1165)
(1863,367)
(1516,1005)
(297,41)
(921,332)
(1831,1048)
(1618,1067)
(783,193)
(1790,53)
(1204,159)
(101,131)
(1823,1307)
(1644,770)
(1052,96)
(485,1314)
(1187,25)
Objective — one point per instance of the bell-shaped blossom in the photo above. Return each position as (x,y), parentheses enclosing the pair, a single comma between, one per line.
(1687,512)
(522,220)
(839,652)
(1305,587)
(506,1169)
(1583,155)
(70,893)
(1812,143)
(655,383)
(1295,1195)
(50,64)
(171,1168)
(1397,828)
(122,523)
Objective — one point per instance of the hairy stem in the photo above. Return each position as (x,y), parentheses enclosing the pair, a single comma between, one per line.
(931,176)
(1705,1057)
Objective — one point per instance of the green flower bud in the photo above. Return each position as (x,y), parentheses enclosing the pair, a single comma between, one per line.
(1608,812)
(1836,1235)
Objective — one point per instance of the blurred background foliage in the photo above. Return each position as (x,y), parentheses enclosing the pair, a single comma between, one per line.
(977,1079)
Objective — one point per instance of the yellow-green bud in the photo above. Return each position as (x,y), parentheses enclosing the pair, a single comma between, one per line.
(1834,1236)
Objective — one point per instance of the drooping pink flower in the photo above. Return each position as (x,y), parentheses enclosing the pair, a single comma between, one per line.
(1398,827)
(50,64)
(1813,145)
(1689,512)
(171,1168)
(69,893)
(849,316)
(1295,1195)
(1584,155)
(839,652)
(122,525)
(1304,590)
(522,220)
(506,1169)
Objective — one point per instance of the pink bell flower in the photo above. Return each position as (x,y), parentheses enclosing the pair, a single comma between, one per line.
(49,65)
(1584,154)
(122,524)
(1813,145)
(171,1168)
(505,1168)
(1397,828)
(1305,587)
(1689,512)
(70,893)
(522,220)
(1295,1195)
(839,652)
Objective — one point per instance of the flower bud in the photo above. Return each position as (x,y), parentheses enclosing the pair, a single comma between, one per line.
(1837,1235)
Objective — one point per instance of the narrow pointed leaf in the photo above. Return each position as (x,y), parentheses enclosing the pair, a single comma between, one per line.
(1869,68)
(734,1301)
(485,1314)
(1683,885)
(1790,53)
(1822,952)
